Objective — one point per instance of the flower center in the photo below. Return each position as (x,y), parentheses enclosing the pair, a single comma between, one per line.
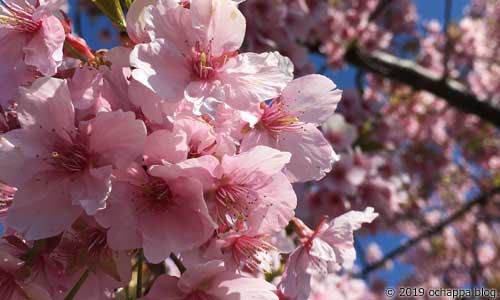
(275,119)
(72,157)
(205,65)
(157,195)
(249,251)
(233,204)
(19,18)
(85,245)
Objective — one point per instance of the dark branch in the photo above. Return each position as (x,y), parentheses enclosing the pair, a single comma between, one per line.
(408,72)
(379,9)
(430,231)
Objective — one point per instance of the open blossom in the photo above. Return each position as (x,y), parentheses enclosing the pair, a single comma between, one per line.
(82,247)
(193,54)
(211,281)
(15,284)
(248,187)
(160,214)
(32,43)
(289,124)
(59,169)
(324,250)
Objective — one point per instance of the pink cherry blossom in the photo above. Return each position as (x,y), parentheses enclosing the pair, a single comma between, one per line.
(53,153)
(32,43)
(247,187)
(211,281)
(161,214)
(324,250)
(289,124)
(14,284)
(194,54)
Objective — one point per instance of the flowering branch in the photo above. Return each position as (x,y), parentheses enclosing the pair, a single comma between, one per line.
(408,72)
(480,200)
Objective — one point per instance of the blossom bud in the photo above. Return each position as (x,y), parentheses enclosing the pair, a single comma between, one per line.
(77,48)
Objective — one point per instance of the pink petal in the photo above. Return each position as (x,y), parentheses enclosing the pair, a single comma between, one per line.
(161,68)
(253,78)
(42,208)
(255,163)
(200,168)
(219,23)
(313,98)
(13,70)
(91,188)
(46,104)
(117,138)
(22,155)
(138,20)
(163,145)
(277,206)
(312,155)
(232,286)
(45,50)
(183,226)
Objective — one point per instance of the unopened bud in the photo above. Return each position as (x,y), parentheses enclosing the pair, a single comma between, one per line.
(77,48)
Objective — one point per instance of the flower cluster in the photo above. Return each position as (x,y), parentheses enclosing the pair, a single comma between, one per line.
(176,147)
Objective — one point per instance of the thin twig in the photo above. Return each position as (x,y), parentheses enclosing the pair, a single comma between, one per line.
(359,82)
(78,285)
(140,258)
(430,231)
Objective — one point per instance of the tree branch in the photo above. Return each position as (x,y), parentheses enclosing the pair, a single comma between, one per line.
(379,9)
(431,231)
(408,72)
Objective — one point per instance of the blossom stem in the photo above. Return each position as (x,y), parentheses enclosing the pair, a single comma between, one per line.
(140,258)
(178,263)
(78,285)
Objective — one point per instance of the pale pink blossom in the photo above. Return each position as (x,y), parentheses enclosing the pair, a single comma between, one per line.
(339,133)
(324,250)
(32,43)
(15,284)
(194,54)
(248,187)
(211,281)
(289,124)
(58,168)
(158,213)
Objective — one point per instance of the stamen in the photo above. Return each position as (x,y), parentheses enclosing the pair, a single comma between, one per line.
(154,196)
(276,120)
(249,250)
(72,157)
(19,18)
(234,203)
